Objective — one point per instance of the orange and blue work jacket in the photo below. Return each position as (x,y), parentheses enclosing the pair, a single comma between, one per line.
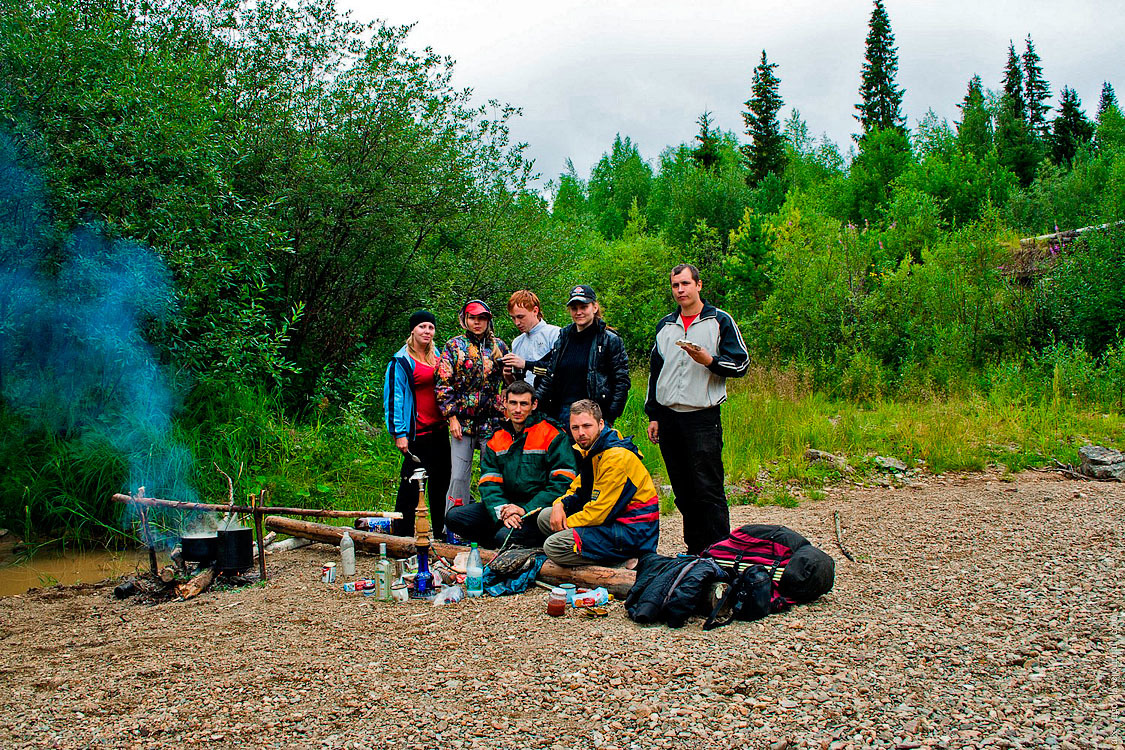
(611,506)
(529,469)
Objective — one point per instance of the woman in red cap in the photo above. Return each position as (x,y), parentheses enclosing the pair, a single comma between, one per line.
(470,377)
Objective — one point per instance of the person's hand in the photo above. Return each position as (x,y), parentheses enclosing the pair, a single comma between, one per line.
(558,517)
(512,516)
(403,445)
(508,374)
(699,354)
(455,428)
(514,360)
(654,432)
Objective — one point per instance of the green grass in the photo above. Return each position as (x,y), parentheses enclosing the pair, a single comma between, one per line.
(58,490)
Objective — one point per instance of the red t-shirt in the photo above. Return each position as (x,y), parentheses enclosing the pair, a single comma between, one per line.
(688,320)
(426,413)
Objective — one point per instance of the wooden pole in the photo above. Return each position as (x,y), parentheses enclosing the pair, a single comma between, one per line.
(146,534)
(138,499)
(256,502)
(616,580)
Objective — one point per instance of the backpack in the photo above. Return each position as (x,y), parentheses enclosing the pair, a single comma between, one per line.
(671,589)
(772,568)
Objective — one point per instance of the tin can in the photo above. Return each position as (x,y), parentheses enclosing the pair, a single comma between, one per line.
(375,523)
(328,573)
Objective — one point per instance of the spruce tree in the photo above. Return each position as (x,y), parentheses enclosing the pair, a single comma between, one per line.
(974,132)
(1107,100)
(1013,99)
(881,105)
(706,154)
(1071,129)
(1016,146)
(1036,91)
(766,150)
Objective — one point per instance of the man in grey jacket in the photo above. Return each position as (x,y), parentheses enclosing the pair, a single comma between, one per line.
(697,348)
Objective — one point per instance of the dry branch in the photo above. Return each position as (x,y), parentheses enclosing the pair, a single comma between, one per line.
(276,510)
(197,585)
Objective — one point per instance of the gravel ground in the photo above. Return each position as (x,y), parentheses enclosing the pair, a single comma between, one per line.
(983,613)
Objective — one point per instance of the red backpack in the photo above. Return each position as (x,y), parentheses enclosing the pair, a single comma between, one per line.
(800,572)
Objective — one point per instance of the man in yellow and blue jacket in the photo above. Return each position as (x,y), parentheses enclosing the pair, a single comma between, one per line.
(611,511)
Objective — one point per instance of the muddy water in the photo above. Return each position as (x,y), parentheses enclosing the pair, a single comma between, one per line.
(67,568)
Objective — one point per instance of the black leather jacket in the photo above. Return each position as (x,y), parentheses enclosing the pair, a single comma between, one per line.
(607,376)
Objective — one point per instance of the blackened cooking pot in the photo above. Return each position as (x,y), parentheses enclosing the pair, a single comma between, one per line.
(199,548)
(235,550)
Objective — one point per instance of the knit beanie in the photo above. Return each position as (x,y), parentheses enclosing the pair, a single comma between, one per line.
(422,316)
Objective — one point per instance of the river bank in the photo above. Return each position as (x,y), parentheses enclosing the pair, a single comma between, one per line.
(983,612)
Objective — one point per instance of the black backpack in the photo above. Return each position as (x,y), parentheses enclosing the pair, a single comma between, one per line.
(772,568)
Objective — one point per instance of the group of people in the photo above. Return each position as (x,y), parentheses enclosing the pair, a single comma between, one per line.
(554,473)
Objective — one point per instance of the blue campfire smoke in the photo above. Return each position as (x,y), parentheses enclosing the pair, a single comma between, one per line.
(74,313)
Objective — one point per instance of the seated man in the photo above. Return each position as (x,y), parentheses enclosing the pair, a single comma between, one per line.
(524,466)
(611,512)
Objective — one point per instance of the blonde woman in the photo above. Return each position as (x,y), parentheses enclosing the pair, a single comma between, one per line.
(416,423)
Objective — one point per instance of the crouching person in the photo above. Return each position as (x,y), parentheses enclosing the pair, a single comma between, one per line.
(524,466)
(611,512)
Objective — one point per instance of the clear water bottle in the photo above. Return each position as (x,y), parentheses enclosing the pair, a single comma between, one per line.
(347,556)
(384,575)
(474,573)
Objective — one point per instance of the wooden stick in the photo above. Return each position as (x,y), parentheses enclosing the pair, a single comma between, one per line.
(283,511)
(255,502)
(616,580)
(839,537)
(196,585)
(146,533)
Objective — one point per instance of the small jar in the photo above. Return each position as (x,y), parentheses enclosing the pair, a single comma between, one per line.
(570,590)
(556,603)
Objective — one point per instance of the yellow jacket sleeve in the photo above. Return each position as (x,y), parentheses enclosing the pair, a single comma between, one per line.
(609,482)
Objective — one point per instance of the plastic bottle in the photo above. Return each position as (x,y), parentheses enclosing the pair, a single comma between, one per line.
(474,573)
(384,575)
(347,556)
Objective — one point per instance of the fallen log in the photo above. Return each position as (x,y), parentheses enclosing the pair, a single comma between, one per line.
(211,508)
(617,581)
(197,585)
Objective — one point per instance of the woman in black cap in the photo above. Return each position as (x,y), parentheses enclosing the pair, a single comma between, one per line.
(587,361)
(415,422)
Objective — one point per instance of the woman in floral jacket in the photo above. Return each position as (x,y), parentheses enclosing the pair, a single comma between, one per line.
(469,379)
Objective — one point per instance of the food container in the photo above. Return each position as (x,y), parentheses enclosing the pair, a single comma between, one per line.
(556,602)
(199,548)
(328,573)
(399,592)
(234,552)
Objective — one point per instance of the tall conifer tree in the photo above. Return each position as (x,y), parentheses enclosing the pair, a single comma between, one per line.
(1036,91)
(881,105)
(974,132)
(1108,99)
(1016,147)
(706,154)
(766,150)
(1071,129)
(1014,94)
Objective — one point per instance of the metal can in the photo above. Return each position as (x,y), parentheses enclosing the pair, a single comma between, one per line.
(375,523)
(328,573)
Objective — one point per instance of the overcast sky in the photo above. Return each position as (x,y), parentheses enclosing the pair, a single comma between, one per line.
(585,70)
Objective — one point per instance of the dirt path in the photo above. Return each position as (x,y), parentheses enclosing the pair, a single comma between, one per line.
(987,614)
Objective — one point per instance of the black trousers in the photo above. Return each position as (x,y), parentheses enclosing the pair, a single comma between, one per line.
(474,523)
(433,450)
(692,446)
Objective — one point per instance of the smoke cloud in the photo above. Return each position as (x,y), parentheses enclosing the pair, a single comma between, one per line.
(74,311)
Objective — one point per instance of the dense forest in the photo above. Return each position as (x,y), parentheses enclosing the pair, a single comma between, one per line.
(217,217)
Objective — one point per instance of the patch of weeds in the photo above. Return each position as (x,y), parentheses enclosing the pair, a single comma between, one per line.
(778,495)
(746,492)
(816,493)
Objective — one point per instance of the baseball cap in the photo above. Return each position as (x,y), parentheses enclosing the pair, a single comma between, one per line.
(582,293)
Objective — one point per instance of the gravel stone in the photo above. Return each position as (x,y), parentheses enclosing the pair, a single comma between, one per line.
(977,617)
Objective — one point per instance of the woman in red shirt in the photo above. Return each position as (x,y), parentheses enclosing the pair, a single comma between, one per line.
(416,424)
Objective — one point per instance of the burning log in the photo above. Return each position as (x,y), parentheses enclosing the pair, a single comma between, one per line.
(615,580)
(197,585)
